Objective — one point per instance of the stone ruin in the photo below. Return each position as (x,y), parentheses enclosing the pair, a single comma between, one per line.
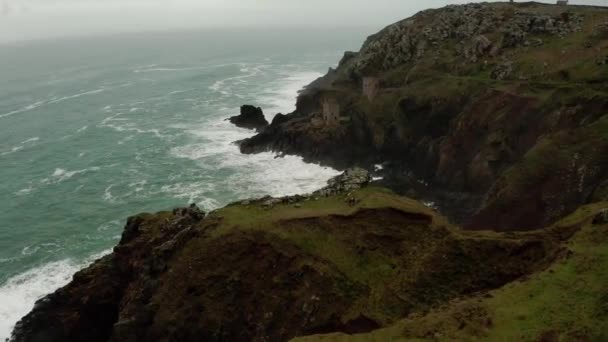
(330,110)
(371,86)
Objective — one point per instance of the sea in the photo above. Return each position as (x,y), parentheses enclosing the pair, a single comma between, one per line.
(96,129)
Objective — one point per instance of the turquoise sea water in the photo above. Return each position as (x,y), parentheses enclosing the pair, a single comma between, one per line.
(95,130)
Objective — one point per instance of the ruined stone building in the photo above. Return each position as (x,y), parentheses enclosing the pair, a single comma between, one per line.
(371,86)
(330,110)
(562,2)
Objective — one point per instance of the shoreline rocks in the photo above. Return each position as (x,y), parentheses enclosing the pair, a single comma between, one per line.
(251,117)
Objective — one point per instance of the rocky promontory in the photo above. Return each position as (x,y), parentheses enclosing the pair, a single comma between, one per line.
(347,259)
(496,112)
(251,117)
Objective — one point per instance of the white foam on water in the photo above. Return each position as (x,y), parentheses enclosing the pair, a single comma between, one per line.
(41,103)
(25,191)
(107,194)
(60,175)
(224,86)
(30,140)
(193,192)
(157,68)
(282,98)
(75,96)
(120,124)
(23,109)
(20,146)
(12,150)
(213,148)
(19,293)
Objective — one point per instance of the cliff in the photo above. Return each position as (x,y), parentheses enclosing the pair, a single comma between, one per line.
(274,269)
(494,111)
(497,112)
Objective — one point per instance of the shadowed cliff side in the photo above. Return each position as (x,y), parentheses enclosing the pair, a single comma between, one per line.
(457,102)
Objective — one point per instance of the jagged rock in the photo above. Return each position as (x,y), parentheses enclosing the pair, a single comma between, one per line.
(480,45)
(192,212)
(271,202)
(601,218)
(251,118)
(513,36)
(279,119)
(502,71)
(351,179)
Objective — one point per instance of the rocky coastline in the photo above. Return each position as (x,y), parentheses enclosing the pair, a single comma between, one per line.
(458,104)
(496,112)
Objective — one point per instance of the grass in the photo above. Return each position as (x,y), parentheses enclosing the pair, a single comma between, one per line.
(568,301)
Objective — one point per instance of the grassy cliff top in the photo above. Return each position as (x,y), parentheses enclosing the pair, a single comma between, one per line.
(566,302)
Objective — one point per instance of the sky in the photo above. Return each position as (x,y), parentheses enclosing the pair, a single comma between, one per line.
(39,19)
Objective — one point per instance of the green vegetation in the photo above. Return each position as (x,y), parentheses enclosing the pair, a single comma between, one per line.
(566,302)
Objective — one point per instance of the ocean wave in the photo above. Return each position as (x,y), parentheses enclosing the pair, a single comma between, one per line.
(24,191)
(20,146)
(41,103)
(23,109)
(157,68)
(113,122)
(252,175)
(75,96)
(213,149)
(20,292)
(224,86)
(60,175)
(194,192)
(107,194)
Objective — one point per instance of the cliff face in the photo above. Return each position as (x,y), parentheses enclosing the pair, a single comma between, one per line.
(485,109)
(274,269)
(496,111)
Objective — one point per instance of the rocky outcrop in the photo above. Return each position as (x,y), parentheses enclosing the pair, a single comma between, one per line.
(351,179)
(467,93)
(251,118)
(250,273)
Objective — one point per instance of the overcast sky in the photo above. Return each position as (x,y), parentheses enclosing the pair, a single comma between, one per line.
(36,19)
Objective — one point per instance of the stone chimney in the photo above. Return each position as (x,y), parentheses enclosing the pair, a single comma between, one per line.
(371,85)
(330,110)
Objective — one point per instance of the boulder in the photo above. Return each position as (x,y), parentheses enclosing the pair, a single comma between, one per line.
(351,179)
(251,117)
